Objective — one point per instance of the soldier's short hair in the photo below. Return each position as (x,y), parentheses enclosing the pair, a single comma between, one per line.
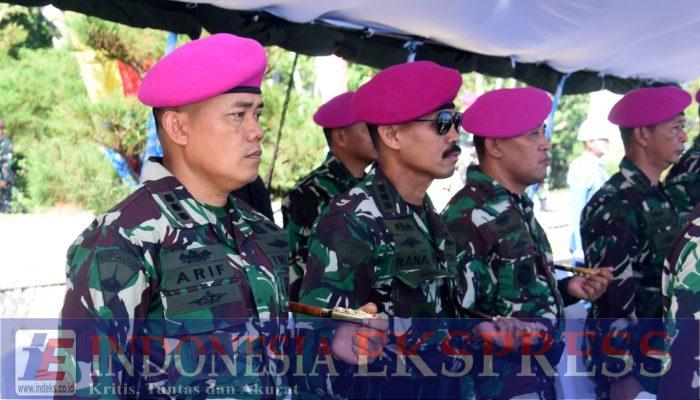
(328,133)
(374,134)
(479,145)
(626,135)
(157,115)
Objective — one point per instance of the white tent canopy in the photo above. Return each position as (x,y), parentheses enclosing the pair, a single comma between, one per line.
(602,44)
(647,39)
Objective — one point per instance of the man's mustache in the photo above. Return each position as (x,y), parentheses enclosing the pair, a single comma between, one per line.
(453,149)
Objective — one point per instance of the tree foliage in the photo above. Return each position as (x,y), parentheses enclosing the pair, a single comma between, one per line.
(302,144)
(35,88)
(22,27)
(571,113)
(56,134)
(138,48)
(61,169)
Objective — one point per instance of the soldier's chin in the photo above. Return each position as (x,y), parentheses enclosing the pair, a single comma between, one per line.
(252,176)
(243,180)
(445,174)
(536,178)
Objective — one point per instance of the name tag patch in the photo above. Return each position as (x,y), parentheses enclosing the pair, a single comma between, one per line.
(193,267)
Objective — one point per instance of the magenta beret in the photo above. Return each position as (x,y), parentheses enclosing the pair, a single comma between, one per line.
(336,112)
(204,68)
(506,113)
(649,106)
(404,92)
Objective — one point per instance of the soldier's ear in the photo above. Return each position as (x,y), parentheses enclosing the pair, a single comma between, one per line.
(339,137)
(173,122)
(388,134)
(641,136)
(493,148)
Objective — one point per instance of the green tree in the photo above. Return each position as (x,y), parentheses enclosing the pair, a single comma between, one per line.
(33,88)
(12,36)
(358,74)
(571,113)
(302,144)
(61,169)
(51,121)
(22,27)
(116,122)
(138,48)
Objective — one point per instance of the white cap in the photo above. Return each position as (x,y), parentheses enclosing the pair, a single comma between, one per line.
(595,129)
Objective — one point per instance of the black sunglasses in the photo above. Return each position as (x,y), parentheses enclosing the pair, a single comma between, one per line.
(445,120)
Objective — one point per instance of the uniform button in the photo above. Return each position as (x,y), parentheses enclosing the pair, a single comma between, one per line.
(184,216)
(177,207)
(169,198)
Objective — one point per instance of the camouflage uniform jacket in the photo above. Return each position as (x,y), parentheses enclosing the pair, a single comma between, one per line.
(629,224)
(6,173)
(681,294)
(499,240)
(162,264)
(370,245)
(683,181)
(502,245)
(303,204)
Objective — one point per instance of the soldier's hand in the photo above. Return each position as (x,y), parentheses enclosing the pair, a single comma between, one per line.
(590,287)
(627,388)
(355,343)
(508,332)
(3,184)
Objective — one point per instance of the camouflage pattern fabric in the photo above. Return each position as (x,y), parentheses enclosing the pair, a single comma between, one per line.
(500,242)
(6,174)
(629,225)
(683,181)
(303,204)
(370,245)
(681,295)
(162,264)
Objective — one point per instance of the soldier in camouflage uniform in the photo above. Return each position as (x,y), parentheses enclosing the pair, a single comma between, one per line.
(181,262)
(350,152)
(630,224)
(683,181)
(498,238)
(680,287)
(382,241)
(7,176)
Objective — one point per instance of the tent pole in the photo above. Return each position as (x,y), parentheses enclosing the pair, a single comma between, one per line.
(555,106)
(268,180)
(549,127)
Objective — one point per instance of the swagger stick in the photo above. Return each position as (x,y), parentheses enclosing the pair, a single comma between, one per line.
(577,270)
(340,313)
(479,314)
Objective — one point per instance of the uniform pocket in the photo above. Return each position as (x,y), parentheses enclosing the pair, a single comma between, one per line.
(517,269)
